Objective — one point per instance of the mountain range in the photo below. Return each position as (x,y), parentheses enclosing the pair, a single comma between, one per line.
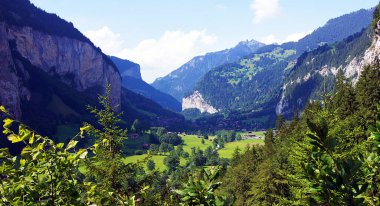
(182,80)
(51,71)
(256,83)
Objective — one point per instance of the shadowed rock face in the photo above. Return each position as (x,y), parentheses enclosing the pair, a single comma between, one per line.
(76,63)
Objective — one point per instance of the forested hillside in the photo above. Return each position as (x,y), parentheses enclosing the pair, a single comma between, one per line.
(255,82)
(333,158)
(182,80)
(317,69)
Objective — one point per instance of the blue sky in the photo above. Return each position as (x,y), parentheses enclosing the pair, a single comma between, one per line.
(161,35)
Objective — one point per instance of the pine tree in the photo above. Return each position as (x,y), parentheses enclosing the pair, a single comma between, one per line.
(280,122)
(235,157)
(107,167)
(343,100)
(368,94)
(150,165)
(269,140)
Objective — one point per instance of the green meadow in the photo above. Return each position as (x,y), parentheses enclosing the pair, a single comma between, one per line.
(191,141)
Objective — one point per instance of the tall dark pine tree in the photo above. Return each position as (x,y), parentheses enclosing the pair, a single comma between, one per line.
(280,122)
(269,140)
(344,97)
(107,167)
(368,93)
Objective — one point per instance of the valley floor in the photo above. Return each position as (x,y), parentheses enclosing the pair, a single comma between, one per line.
(191,141)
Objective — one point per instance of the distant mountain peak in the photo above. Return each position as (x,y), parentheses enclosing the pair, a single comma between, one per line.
(251,43)
(183,80)
(131,79)
(127,68)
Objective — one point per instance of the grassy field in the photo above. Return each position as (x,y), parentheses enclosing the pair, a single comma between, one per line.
(229,148)
(158,160)
(190,141)
(193,141)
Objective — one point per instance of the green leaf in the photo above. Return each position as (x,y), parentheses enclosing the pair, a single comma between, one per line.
(32,138)
(27,135)
(22,162)
(7,122)
(14,138)
(71,144)
(105,141)
(83,129)
(2,109)
(60,145)
(83,154)
(26,150)
(180,192)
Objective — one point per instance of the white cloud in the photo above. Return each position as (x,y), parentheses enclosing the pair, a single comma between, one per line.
(263,9)
(159,57)
(271,38)
(296,36)
(109,41)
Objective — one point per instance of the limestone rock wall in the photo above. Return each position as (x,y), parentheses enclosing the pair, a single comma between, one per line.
(196,101)
(86,66)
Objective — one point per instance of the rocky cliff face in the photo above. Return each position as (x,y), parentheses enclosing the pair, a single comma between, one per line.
(127,68)
(78,64)
(308,78)
(373,52)
(196,101)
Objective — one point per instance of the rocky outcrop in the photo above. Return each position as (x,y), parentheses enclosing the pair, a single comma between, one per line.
(127,68)
(9,85)
(352,68)
(370,57)
(77,63)
(322,65)
(196,101)
(373,53)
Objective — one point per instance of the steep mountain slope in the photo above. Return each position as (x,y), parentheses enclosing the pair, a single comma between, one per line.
(127,68)
(247,85)
(254,83)
(315,71)
(50,72)
(146,90)
(334,30)
(67,55)
(182,80)
(131,79)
